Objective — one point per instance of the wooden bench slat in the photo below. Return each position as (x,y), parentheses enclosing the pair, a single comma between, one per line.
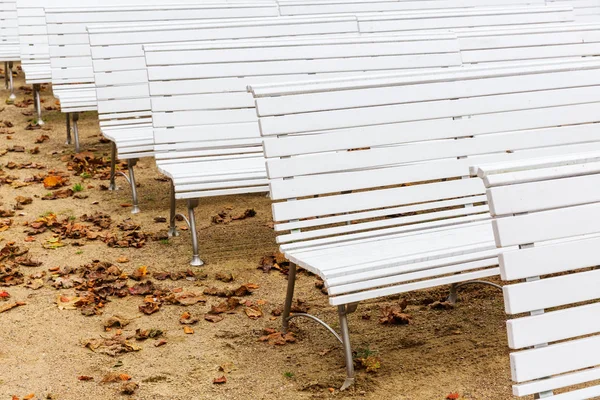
(563,357)
(551,292)
(547,225)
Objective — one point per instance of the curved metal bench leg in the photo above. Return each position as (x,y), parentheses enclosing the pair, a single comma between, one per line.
(196,261)
(130,164)
(6,75)
(76,131)
(287,306)
(69,140)
(173,213)
(11,84)
(113,166)
(343,312)
(38,103)
(453,296)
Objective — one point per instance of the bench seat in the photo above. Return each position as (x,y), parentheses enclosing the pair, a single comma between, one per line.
(134,141)
(389,263)
(214,175)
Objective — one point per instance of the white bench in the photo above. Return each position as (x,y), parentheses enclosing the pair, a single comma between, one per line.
(370,177)
(70,55)
(312,7)
(9,42)
(549,209)
(205,126)
(124,106)
(33,36)
(121,78)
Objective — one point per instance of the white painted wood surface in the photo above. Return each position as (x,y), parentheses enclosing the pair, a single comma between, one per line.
(538,205)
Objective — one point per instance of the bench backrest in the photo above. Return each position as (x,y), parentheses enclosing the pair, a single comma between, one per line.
(311,7)
(585,10)
(492,45)
(112,46)
(70,55)
(404,144)
(9,34)
(200,105)
(120,71)
(465,18)
(549,209)
(33,33)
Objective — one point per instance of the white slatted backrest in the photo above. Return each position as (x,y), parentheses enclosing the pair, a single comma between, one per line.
(9,33)
(409,139)
(70,55)
(33,32)
(120,69)
(295,7)
(549,208)
(492,45)
(196,89)
(466,18)
(585,10)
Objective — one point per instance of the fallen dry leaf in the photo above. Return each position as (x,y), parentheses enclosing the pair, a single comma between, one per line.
(10,306)
(253,312)
(122,259)
(54,181)
(85,378)
(221,380)
(115,377)
(213,318)
(393,315)
(188,330)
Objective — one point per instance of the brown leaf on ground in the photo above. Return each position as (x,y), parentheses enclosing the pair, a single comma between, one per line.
(441,305)
(187,319)
(10,251)
(393,315)
(42,138)
(253,312)
(185,298)
(29,396)
(273,337)
(4,295)
(139,273)
(34,284)
(35,150)
(150,306)
(99,219)
(59,194)
(85,378)
(249,213)
(276,261)
(159,343)
(219,381)
(228,305)
(118,344)
(10,306)
(142,289)
(116,321)
(175,276)
(115,377)
(10,275)
(188,330)
(160,219)
(128,225)
(54,181)
(122,259)
(213,318)
(143,334)
(300,306)
(27,262)
(22,200)
(243,290)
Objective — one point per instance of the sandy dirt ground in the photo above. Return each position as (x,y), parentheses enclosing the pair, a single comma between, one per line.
(461,350)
